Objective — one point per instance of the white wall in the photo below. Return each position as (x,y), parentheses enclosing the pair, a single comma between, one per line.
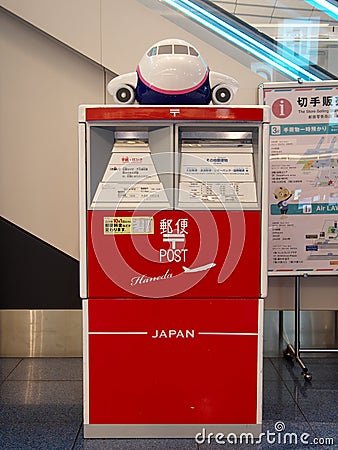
(76,23)
(42,83)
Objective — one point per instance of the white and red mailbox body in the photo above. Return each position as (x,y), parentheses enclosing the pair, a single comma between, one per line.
(173,268)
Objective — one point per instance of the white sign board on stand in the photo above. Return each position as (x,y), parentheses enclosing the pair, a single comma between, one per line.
(303,187)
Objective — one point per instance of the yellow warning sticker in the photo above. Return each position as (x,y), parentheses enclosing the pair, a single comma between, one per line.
(128,225)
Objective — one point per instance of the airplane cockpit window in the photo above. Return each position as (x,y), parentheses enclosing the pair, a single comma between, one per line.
(180,49)
(152,51)
(193,52)
(165,50)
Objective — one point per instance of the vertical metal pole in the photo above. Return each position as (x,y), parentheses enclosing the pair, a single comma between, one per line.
(297,316)
(281,330)
(305,370)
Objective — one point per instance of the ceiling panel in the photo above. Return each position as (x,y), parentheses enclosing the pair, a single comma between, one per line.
(258,10)
(249,18)
(275,11)
(293,4)
(281,13)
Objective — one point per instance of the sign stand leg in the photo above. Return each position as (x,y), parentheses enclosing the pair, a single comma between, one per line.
(294,352)
(281,330)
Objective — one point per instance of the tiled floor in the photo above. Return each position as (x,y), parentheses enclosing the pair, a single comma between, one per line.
(41,408)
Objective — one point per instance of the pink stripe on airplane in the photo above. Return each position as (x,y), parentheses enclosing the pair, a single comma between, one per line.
(172,92)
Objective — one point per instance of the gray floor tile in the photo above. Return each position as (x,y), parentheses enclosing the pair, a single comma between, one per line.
(41,408)
(327,434)
(48,369)
(288,435)
(41,401)
(38,436)
(320,368)
(7,365)
(278,403)
(269,371)
(325,369)
(317,400)
(287,369)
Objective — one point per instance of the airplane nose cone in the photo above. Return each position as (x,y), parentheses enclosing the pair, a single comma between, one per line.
(173,73)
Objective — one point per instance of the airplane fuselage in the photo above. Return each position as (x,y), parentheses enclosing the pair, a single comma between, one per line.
(145,94)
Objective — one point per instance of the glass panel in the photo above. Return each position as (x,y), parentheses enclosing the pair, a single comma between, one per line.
(152,51)
(193,52)
(165,50)
(218,167)
(180,49)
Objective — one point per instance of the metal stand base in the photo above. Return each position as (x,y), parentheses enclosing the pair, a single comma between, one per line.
(294,352)
(291,353)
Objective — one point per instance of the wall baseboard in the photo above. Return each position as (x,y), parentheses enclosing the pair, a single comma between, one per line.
(40,333)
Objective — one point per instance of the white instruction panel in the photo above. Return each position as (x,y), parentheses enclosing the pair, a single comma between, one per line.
(130,177)
(217,174)
(113,193)
(128,168)
(218,167)
(194,192)
(130,162)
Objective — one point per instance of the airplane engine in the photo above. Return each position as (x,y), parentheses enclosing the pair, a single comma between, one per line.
(221,94)
(124,94)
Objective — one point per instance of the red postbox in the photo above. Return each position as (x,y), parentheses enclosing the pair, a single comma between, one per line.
(173,268)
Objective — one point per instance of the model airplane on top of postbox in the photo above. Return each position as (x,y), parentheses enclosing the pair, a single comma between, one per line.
(173,72)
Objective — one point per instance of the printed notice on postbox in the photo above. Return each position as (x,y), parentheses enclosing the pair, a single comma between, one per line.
(128,225)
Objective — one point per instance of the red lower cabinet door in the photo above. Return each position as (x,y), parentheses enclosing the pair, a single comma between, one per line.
(173,361)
